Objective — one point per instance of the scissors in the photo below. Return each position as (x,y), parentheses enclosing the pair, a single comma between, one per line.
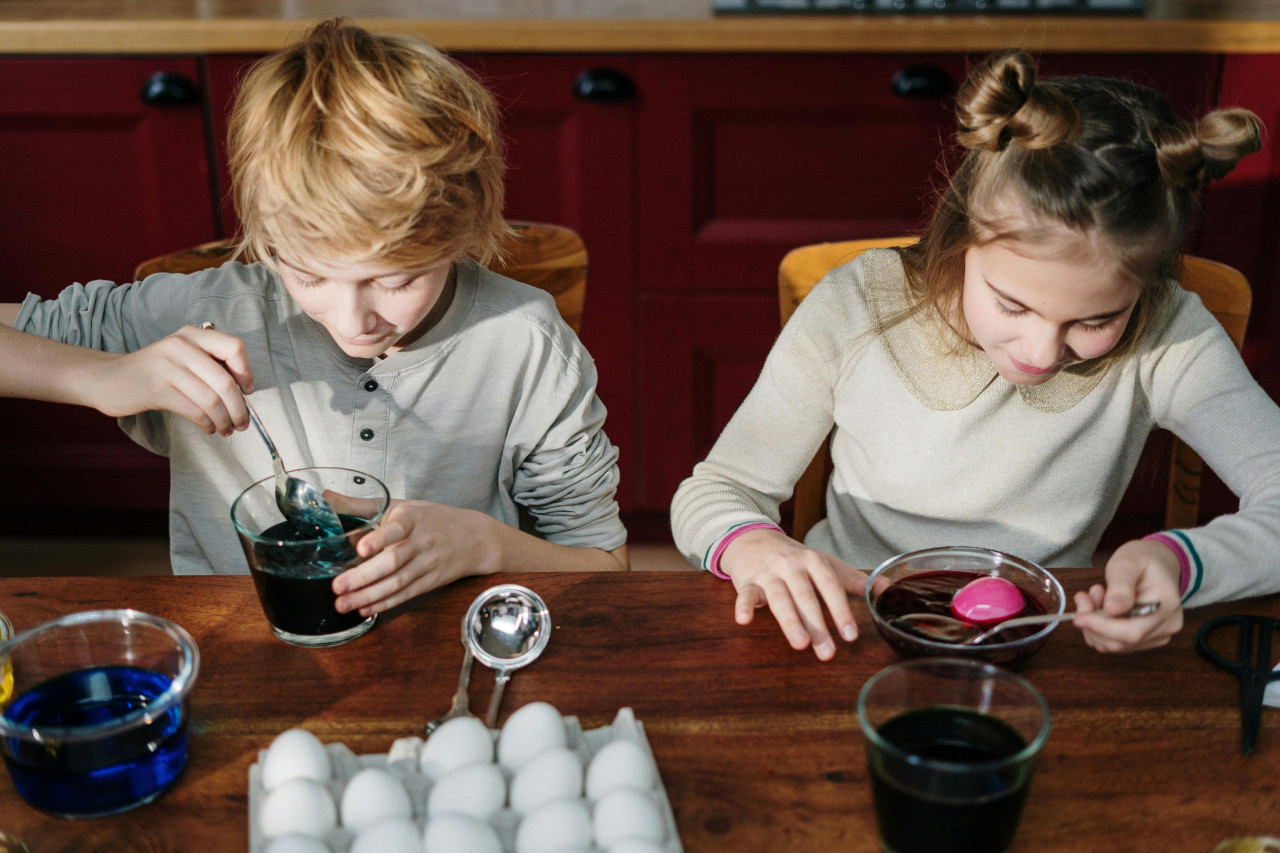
(1252,665)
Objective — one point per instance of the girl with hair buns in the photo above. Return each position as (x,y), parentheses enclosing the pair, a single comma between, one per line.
(994,384)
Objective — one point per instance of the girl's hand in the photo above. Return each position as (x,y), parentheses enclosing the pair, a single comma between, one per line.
(1140,570)
(417,547)
(192,373)
(768,567)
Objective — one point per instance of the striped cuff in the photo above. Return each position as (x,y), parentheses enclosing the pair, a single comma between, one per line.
(1192,574)
(713,563)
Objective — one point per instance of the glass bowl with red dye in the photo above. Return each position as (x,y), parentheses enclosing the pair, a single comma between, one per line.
(925,582)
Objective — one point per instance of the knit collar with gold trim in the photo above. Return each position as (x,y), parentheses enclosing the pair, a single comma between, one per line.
(942,370)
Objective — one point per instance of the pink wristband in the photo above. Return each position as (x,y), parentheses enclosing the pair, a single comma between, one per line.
(1183,562)
(713,565)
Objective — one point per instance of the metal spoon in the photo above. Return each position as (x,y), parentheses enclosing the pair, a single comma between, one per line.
(947,629)
(461,706)
(506,628)
(299,501)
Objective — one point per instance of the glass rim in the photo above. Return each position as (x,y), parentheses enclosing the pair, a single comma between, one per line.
(974,667)
(370,524)
(175,693)
(938,645)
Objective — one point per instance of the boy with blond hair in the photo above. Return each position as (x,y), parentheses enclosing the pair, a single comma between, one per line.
(367,174)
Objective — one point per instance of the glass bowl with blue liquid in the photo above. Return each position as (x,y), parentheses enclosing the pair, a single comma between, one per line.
(293,563)
(96,720)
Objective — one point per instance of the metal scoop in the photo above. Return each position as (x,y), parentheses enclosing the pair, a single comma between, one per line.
(299,501)
(506,628)
(948,629)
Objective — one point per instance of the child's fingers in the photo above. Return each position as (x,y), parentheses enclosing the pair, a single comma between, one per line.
(835,594)
(750,598)
(371,581)
(215,391)
(783,608)
(365,508)
(230,351)
(809,610)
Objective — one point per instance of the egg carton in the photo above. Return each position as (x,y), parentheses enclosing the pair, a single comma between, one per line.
(402,760)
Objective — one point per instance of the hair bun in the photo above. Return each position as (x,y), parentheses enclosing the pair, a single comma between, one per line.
(1191,156)
(999,102)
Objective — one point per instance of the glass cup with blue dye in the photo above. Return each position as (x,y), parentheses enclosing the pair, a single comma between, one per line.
(293,570)
(96,720)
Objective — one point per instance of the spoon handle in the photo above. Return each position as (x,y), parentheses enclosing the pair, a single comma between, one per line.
(499,683)
(253,415)
(1139,609)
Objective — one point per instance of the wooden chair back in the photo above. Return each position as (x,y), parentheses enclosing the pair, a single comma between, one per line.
(1223,289)
(550,257)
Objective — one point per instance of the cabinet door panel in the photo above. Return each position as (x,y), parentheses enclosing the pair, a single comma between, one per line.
(699,357)
(745,157)
(94,182)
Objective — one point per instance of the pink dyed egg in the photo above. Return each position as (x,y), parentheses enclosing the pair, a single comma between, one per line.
(987,601)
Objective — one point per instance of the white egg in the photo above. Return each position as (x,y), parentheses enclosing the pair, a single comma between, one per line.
(619,764)
(479,790)
(636,845)
(296,844)
(531,729)
(295,754)
(627,813)
(554,826)
(555,774)
(374,794)
(453,833)
(462,740)
(299,806)
(393,835)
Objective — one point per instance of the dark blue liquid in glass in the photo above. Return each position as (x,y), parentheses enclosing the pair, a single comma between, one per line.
(295,581)
(85,777)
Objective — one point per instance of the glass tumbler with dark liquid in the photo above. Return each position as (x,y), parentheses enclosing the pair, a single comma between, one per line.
(951,748)
(293,565)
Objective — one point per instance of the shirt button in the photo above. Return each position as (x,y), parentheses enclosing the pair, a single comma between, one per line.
(366,434)
(371,385)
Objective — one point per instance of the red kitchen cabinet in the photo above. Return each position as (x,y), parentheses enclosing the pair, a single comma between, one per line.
(95,179)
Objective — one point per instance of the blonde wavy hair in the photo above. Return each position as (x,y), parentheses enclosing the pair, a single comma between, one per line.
(356,147)
(1107,158)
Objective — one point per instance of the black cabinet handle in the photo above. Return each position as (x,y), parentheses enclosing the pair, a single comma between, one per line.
(604,84)
(922,82)
(169,89)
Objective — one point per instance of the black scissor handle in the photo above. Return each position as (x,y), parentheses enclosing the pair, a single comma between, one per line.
(1252,667)
(1248,658)
(1243,635)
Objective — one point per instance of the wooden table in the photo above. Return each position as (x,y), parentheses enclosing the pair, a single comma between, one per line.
(758,746)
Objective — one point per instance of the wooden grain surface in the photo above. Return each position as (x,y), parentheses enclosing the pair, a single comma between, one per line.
(235,26)
(758,746)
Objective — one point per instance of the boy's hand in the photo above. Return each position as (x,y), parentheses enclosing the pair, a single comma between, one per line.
(768,567)
(1140,570)
(192,373)
(417,547)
